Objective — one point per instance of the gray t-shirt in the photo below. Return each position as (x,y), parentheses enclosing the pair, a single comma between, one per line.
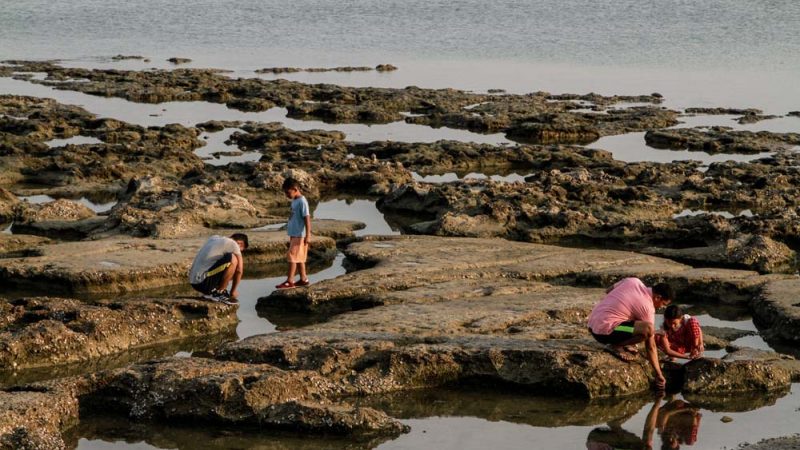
(214,248)
(296,226)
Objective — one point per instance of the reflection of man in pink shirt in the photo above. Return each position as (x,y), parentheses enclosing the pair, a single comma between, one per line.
(625,317)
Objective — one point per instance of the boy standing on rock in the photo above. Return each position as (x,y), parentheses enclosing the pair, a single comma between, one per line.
(626,317)
(299,229)
(218,263)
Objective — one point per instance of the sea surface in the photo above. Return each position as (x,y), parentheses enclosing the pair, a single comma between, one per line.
(736,53)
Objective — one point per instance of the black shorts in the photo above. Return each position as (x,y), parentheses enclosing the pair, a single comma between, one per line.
(214,274)
(621,333)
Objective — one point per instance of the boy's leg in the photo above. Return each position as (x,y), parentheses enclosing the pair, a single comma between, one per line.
(301,267)
(292,268)
(227,276)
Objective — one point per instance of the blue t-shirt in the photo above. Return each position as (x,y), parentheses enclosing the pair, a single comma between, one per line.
(296,226)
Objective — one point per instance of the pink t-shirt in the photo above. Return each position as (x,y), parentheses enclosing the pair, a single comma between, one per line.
(630,299)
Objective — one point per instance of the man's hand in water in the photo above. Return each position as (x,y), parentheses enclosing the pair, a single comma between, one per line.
(661,382)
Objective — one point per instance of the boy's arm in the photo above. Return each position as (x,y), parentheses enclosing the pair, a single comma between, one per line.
(307,239)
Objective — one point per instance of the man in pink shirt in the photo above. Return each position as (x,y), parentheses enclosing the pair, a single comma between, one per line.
(626,317)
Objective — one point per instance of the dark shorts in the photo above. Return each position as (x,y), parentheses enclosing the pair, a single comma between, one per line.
(215,274)
(621,333)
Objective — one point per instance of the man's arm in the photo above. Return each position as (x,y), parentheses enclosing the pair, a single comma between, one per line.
(652,356)
(307,239)
(237,275)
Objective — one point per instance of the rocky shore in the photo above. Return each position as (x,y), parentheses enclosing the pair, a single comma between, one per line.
(491,287)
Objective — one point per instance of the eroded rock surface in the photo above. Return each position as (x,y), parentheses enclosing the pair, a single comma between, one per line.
(43,331)
(122,265)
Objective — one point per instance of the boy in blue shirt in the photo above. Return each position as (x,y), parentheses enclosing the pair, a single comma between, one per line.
(299,229)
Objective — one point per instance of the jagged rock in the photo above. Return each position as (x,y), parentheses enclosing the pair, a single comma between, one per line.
(711,375)
(760,252)
(8,206)
(57,210)
(34,419)
(176,60)
(721,140)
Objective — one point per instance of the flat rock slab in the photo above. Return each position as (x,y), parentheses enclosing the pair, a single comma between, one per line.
(44,331)
(403,263)
(35,419)
(123,265)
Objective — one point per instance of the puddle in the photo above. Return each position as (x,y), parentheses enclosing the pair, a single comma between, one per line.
(480,419)
(450,177)
(726,214)
(785,124)
(360,210)
(215,142)
(74,140)
(631,147)
(96,207)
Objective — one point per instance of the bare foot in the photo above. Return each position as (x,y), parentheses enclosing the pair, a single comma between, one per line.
(619,353)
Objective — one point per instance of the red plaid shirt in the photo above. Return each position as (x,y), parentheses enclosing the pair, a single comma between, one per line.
(682,340)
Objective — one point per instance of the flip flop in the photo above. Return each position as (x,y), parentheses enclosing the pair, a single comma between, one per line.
(621,355)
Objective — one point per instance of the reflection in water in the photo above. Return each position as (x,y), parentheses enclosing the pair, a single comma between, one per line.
(74,140)
(360,210)
(677,422)
(481,418)
(113,432)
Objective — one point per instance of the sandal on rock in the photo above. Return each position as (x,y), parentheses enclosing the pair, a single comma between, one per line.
(303,283)
(285,285)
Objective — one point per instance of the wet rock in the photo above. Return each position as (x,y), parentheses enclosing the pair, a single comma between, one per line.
(194,389)
(781,443)
(726,419)
(721,140)
(385,68)
(125,264)
(125,57)
(9,204)
(44,331)
(279,70)
(777,309)
(754,118)
(57,210)
(368,105)
(745,251)
(723,335)
(35,419)
(794,113)
(725,111)
(710,376)
(176,60)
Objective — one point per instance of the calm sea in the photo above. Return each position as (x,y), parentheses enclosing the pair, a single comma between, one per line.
(721,52)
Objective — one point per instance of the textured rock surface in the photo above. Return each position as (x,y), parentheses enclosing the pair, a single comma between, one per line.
(121,265)
(44,331)
(778,309)
(195,389)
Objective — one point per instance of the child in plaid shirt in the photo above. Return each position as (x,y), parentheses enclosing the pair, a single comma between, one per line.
(680,336)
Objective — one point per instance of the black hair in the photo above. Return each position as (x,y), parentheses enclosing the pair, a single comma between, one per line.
(241,237)
(664,291)
(673,312)
(291,183)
